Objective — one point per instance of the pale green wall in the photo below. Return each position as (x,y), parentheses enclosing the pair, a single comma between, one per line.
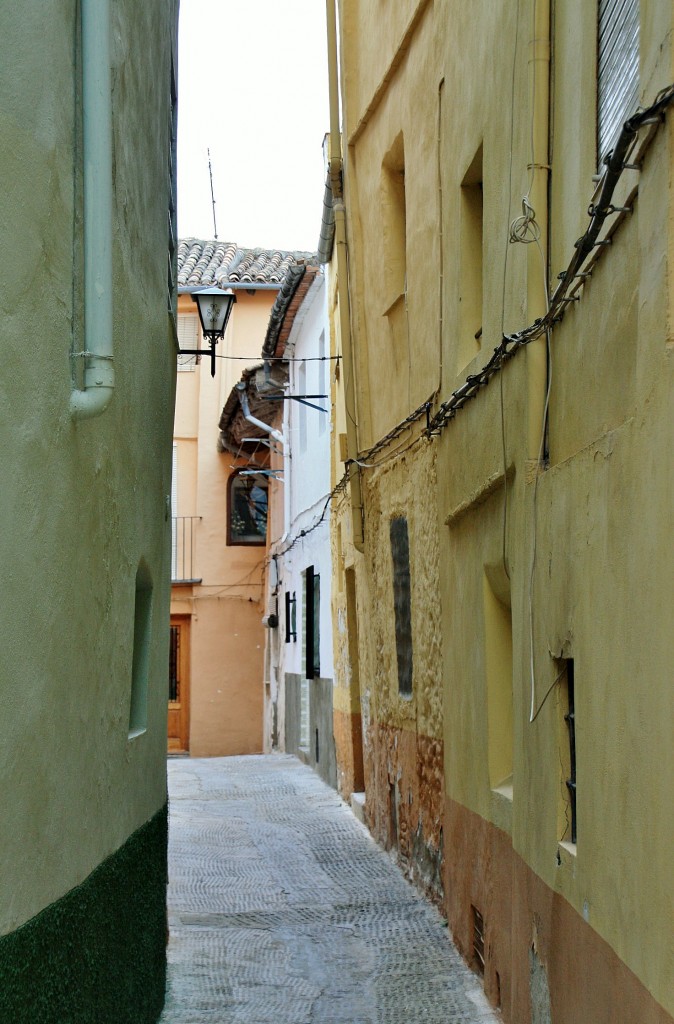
(80,504)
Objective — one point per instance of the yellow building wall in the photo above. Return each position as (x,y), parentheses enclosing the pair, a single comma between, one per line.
(513,567)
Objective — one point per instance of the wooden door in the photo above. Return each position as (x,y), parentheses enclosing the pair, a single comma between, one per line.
(179,686)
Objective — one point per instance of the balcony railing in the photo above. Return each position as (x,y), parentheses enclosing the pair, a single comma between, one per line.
(183,530)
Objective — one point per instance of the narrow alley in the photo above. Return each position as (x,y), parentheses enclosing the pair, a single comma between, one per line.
(283,909)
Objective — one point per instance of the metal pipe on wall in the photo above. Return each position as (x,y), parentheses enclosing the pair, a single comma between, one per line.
(539,86)
(99,374)
(346,340)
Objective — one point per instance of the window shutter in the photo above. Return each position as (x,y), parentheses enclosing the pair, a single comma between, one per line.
(188,337)
(617,69)
(309,622)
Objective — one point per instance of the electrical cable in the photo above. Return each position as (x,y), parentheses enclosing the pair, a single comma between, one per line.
(254,359)
(540,458)
(547,694)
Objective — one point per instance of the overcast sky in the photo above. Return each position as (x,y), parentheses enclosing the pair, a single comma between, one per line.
(252,81)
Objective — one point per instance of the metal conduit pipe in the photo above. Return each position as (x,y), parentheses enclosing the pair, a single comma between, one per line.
(537,301)
(326,239)
(346,341)
(245,408)
(99,374)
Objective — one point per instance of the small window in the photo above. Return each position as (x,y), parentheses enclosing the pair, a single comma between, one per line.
(394,221)
(471,266)
(142,632)
(498,657)
(617,69)
(402,602)
(247,513)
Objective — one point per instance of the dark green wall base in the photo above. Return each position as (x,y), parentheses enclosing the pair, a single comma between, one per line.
(98,955)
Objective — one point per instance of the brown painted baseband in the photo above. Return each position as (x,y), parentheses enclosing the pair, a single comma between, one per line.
(542,961)
(348,730)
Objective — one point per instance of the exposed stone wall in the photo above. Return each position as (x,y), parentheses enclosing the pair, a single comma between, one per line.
(403,749)
(348,730)
(405,801)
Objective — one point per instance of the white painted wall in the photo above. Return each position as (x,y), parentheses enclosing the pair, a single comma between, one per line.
(307,486)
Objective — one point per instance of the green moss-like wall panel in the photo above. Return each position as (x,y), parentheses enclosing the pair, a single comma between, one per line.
(98,955)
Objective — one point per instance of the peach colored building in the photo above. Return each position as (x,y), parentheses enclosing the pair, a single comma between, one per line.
(218,514)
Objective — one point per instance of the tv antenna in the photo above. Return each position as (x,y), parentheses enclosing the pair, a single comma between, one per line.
(210,174)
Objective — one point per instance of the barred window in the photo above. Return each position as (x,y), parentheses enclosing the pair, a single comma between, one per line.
(247,512)
(402,602)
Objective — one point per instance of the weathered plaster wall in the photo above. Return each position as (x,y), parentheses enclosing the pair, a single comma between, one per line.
(403,750)
(595,520)
(83,503)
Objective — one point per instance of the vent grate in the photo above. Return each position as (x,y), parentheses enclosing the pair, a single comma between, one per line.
(478,939)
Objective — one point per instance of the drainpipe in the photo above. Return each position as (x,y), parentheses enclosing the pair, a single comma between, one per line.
(539,86)
(99,374)
(346,340)
(243,400)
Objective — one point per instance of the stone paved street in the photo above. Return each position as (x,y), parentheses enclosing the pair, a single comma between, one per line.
(282,909)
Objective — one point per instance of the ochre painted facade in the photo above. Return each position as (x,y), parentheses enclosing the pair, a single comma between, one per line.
(223,599)
(540,565)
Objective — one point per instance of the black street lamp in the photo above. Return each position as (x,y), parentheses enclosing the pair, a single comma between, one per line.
(215,306)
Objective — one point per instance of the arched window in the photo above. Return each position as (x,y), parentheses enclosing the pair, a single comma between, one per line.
(247,510)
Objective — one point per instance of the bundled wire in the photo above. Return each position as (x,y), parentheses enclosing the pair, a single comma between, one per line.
(616,163)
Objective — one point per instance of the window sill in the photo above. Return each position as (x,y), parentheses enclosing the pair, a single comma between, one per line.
(502,806)
(568,850)
(393,306)
(505,790)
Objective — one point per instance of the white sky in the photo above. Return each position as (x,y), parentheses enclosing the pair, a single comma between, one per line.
(260,103)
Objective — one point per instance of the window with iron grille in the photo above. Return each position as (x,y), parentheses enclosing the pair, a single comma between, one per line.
(566,814)
(174,664)
(570,719)
(617,69)
(402,602)
(247,512)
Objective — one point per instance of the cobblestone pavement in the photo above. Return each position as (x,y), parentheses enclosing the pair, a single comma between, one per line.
(282,909)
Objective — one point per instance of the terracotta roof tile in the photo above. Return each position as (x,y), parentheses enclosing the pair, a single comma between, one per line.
(203,263)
